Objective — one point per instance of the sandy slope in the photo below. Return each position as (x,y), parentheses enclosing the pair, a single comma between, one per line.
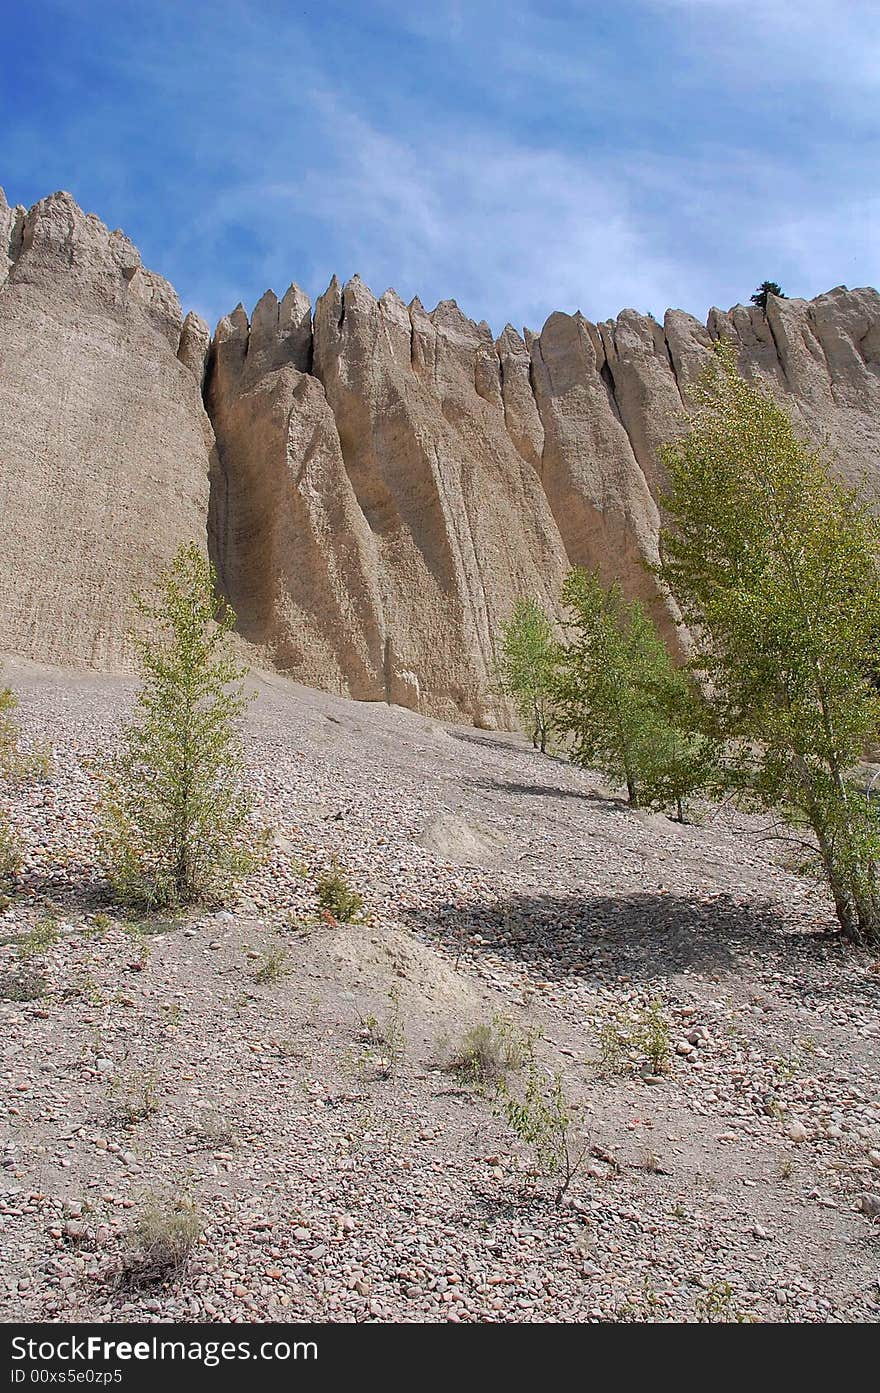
(496,880)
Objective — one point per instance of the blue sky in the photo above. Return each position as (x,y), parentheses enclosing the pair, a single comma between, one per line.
(519,157)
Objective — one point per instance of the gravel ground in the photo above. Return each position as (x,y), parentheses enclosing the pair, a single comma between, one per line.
(222,1061)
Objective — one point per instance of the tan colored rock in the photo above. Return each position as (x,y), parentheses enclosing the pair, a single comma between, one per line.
(11,226)
(459,523)
(194,347)
(464,472)
(104,445)
(290,542)
(749,328)
(602,504)
(387,480)
(521,415)
(644,385)
(822,358)
(688,343)
(377,521)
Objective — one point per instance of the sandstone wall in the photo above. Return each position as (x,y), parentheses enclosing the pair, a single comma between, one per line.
(380,522)
(104,443)
(377,483)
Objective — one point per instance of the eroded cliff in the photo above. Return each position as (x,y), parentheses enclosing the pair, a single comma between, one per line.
(377,483)
(104,443)
(392,479)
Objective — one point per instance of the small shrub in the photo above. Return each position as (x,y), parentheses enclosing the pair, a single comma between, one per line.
(212,1130)
(640,1307)
(176,805)
(385,1043)
(137,1096)
(652,1036)
(274,965)
(631,1039)
(82,987)
(717,1306)
(540,1116)
(526,668)
(614,1054)
(336,896)
(138,936)
(16,765)
(161,1242)
(38,942)
(488,1053)
(10,851)
(21,985)
(98,924)
(786,1068)
(623,705)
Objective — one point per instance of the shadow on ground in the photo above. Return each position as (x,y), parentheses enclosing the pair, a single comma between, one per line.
(87,893)
(643,936)
(73,890)
(488,741)
(519,790)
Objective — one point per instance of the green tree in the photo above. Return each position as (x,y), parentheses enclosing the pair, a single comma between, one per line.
(16,766)
(764,289)
(680,756)
(10,765)
(774,564)
(526,667)
(620,700)
(176,808)
(9,749)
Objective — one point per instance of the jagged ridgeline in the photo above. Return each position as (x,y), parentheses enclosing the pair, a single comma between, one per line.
(377,483)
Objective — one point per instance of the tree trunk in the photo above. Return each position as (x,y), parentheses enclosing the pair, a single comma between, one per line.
(866,898)
(841,892)
(842,898)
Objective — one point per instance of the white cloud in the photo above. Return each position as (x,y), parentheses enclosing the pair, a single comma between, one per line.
(527,160)
(514,232)
(819,43)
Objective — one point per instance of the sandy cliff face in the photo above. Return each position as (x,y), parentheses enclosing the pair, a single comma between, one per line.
(375,519)
(104,442)
(386,480)
(463,471)
(291,545)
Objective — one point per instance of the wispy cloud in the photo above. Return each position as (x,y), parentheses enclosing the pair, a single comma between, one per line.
(512,231)
(517,156)
(835,42)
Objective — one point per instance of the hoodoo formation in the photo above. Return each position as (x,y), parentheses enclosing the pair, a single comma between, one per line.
(376,483)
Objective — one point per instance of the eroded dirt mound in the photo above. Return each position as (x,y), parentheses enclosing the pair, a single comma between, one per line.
(450,837)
